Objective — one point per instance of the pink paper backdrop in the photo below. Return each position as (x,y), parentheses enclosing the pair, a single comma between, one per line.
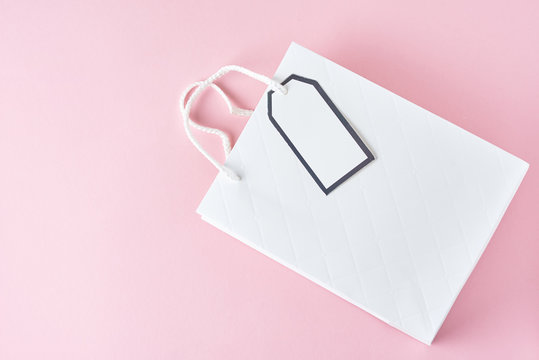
(101,253)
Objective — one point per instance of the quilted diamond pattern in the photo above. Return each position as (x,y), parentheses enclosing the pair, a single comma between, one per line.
(399,238)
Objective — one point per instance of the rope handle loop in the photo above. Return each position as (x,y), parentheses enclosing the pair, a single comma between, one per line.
(199,87)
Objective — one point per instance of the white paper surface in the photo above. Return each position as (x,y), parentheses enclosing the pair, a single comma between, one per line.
(399,238)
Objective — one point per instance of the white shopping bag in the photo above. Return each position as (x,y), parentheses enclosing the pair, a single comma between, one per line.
(416,202)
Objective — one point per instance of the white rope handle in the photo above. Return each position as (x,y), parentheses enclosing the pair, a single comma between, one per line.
(199,87)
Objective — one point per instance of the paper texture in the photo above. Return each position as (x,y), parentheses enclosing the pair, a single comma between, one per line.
(399,238)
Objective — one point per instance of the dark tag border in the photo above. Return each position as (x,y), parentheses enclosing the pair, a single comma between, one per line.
(348,127)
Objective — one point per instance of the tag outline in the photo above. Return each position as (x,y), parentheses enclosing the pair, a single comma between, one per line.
(344,122)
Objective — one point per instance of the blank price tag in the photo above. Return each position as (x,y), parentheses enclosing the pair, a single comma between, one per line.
(318,134)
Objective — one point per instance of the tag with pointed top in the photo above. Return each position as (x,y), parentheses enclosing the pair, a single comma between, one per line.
(318,134)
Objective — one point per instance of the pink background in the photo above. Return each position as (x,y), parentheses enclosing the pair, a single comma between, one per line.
(101,253)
